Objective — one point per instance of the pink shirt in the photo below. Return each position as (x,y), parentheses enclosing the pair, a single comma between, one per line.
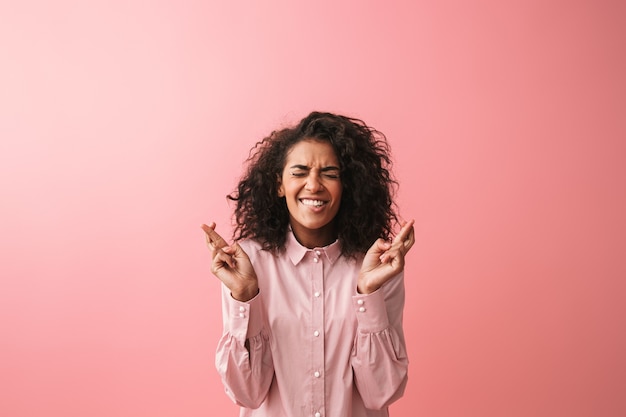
(308,344)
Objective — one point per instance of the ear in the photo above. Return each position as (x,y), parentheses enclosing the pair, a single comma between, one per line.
(281,190)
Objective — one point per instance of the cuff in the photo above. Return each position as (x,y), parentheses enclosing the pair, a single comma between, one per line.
(371,313)
(245,318)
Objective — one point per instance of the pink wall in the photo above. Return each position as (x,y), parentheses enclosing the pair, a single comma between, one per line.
(123,124)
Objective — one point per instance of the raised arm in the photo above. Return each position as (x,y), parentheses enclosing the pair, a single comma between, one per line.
(379,358)
(243,358)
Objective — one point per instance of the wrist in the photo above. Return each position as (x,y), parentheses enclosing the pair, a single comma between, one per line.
(363,287)
(245,294)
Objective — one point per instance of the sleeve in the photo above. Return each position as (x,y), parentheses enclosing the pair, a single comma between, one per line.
(243,358)
(379,358)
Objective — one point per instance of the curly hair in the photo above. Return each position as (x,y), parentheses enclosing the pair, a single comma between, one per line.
(366,211)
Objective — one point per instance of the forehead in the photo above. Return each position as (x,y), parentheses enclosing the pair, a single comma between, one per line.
(312,152)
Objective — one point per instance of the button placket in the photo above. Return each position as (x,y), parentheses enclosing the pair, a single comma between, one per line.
(317,338)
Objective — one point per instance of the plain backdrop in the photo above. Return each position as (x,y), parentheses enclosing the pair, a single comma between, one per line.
(124,123)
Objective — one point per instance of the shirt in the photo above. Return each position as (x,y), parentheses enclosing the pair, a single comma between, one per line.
(308,344)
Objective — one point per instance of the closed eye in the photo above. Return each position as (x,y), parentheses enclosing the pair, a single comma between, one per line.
(331,172)
(299,170)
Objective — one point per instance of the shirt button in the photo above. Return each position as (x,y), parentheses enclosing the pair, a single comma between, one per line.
(242,308)
(317,374)
(360,302)
(315,259)
(316,333)
(318,414)
(362,309)
(318,253)
(242,315)
(317,293)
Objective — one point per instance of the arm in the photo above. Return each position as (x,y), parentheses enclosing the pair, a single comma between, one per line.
(243,358)
(379,358)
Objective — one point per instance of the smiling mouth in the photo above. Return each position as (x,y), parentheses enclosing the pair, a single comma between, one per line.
(312,203)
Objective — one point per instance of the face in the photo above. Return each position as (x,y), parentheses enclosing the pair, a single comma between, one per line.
(312,188)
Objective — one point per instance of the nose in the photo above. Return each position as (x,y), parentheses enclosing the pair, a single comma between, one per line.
(313,183)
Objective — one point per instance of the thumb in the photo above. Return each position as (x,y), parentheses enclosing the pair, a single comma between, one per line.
(382,245)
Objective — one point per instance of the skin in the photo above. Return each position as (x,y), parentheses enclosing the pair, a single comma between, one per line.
(311,173)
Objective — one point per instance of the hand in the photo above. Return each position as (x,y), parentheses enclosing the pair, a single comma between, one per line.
(231,265)
(384,260)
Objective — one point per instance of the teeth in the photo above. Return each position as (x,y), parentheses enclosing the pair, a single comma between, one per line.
(316,203)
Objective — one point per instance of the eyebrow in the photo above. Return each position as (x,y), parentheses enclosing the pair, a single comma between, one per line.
(324,169)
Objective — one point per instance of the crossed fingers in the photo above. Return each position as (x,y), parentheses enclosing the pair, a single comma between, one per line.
(213,240)
(406,237)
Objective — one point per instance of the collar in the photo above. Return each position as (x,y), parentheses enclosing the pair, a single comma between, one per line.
(296,251)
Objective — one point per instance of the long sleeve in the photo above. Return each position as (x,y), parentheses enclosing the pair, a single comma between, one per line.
(379,358)
(303,347)
(243,358)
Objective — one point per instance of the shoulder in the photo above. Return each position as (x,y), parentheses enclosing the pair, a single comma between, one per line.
(250,246)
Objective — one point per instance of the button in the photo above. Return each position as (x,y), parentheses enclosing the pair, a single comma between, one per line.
(360,302)
(317,374)
(318,414)
(318,253)
(315,259)
(242,315)
(242,308)
(316,333)
(317,293)
(362,309)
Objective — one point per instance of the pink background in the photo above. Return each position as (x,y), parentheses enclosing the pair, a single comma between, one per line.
(123,125)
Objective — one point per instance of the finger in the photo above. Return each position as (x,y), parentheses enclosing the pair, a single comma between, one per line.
(222,258)
(379,246)
(392,253)
(403,241)
(206,236)
(213,238)
(404,231)
(410,240)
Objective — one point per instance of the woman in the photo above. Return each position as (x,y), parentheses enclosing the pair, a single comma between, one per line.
(313,287)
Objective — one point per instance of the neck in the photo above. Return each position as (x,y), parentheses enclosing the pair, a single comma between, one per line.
(316,238)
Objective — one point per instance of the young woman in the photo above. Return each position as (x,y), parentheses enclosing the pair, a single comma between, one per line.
(313,288)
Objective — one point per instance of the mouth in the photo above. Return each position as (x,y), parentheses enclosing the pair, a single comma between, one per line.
(313,203)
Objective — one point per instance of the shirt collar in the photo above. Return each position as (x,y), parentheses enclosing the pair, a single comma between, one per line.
(296,251)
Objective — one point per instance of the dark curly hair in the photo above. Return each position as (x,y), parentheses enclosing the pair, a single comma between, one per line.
(366,211)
